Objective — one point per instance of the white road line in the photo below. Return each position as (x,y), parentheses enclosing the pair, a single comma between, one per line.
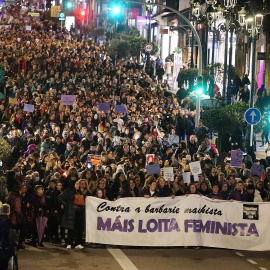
(122,259)
(251,261)
(262,268)
(239,254)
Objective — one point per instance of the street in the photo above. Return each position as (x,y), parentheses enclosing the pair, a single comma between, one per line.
(131,258)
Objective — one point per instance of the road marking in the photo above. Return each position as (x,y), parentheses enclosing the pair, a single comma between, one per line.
(262,268)
(239,254)
(251,261)
(122,259)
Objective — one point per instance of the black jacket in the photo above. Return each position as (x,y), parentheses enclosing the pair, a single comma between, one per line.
(67,198)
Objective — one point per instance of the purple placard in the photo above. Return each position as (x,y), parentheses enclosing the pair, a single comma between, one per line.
(153,169)
(120,108)
(236,159)
(257,170)
(68,100)
(103,107)
(28,107)
(26,19)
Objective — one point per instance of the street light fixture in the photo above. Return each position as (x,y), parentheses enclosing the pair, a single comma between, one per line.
(253,25)
(149,9)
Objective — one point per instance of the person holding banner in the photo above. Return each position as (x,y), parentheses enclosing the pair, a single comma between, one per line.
(150,190)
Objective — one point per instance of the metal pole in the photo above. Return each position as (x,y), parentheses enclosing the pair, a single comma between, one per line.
(251,135)
(206,47)
(225,61)
(254,39)
(251,102)
(148,40)
(213,62)
(230,63)
(198,110)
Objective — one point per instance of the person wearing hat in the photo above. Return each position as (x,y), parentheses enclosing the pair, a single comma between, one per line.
(7,242)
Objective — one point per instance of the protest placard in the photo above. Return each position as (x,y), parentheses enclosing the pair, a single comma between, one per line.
(149,158)
(168,174)
(94,159)
(13,101)
(256,170)
(28,27)
(153,169)
(186,177)
(120,108)
(195,167)
(103,107)
(28,107)
(68,100)
(236,159)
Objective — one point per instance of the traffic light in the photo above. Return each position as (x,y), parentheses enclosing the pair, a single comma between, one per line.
(116,9)
(199,86)
(67,5)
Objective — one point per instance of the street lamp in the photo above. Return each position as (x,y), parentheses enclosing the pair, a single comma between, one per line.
(149,10)
(229,27)
(253,24)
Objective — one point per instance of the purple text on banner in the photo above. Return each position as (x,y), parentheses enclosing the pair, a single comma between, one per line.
(153,169)
(28,107)
(68,100)
(236,159)
(120,108)
(103,107)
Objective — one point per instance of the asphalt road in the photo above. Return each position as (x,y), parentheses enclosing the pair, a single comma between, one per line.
(110,258)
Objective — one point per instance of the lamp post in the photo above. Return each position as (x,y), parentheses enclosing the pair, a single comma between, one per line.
(149,11)
(253,24)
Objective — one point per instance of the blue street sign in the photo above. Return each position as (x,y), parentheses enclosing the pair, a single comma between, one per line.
(253,116)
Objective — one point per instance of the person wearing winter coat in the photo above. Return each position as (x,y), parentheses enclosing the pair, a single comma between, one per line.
(7,241)
(160,72)
(253,195)
(67,199)
(39,209)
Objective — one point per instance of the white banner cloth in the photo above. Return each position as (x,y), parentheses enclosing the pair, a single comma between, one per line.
(182,221)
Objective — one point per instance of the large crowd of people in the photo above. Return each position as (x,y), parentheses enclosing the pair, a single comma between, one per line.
(49,171)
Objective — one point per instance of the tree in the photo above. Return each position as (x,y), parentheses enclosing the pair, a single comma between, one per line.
(133,41)
(229,123)
(118,49)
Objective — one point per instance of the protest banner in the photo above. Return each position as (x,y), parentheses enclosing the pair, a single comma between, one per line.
(68,100)
(168,174)
(28,27)
(95,160)
(236,159)
(28,107)
(182,221)
(149,158)
(195,167)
